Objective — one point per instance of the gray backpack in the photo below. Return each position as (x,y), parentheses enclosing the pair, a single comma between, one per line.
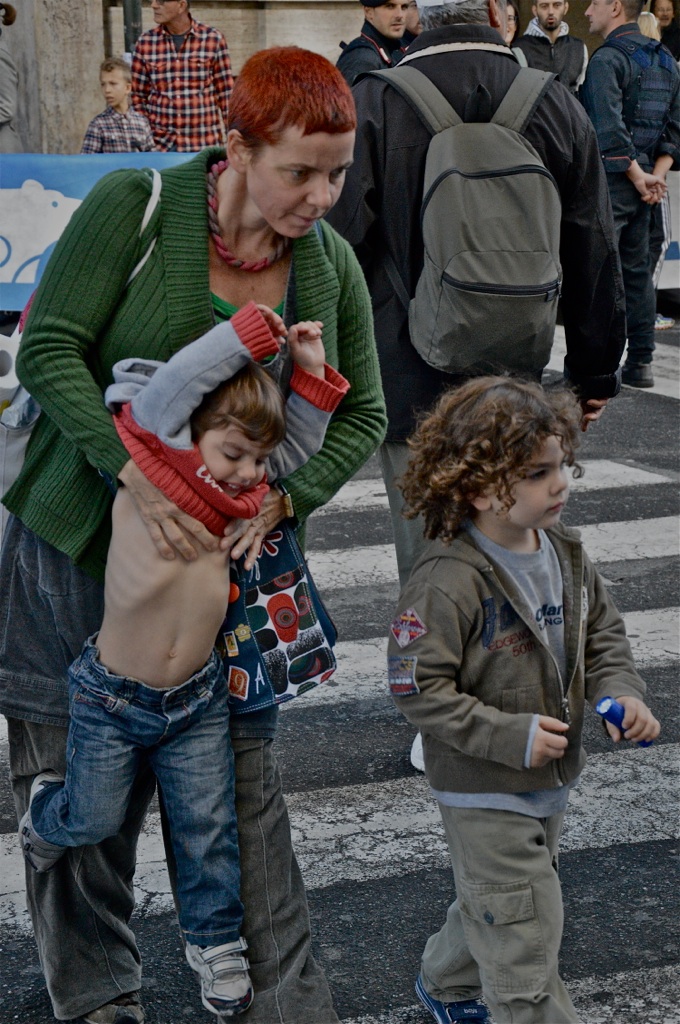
(491,211)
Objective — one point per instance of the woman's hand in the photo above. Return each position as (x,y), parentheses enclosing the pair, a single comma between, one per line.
(250,533)
(172,531)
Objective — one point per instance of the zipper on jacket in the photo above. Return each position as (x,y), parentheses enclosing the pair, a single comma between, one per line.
(551,290)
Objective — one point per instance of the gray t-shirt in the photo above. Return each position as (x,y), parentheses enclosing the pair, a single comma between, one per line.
(538,577)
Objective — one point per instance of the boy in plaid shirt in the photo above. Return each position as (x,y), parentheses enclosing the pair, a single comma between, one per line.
(119,129)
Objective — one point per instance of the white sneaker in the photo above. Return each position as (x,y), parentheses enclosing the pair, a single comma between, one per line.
(226,987)
(40,854)
(417,758)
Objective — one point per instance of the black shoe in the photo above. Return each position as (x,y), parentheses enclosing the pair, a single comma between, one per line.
(638,375)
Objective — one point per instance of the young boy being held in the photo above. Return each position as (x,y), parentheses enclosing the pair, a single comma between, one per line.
(119,129)
(208,428)
(502,633)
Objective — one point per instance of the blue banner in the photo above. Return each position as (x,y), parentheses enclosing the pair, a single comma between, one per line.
(38,195)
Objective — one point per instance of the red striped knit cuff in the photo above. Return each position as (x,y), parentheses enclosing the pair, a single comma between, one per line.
(253,332)
(325,394)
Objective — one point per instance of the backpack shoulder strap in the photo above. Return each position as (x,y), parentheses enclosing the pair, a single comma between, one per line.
(522,98)
(432,108)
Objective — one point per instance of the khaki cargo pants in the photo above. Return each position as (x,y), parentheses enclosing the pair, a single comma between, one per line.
(502,934)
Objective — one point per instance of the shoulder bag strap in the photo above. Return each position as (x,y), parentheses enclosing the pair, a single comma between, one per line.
(154,200)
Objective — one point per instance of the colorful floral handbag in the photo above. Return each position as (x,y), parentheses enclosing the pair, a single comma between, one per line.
(277,639)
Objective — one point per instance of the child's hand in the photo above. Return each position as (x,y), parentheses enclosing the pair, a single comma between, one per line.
(274,322)
(548,746)
(306,346)
(639,724)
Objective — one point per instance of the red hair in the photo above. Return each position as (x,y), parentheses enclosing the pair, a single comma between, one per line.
(286,87)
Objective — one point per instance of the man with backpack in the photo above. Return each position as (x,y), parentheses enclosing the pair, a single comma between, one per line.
(480,300)
(632,94)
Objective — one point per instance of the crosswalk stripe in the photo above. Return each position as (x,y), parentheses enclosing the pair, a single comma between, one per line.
(371,831)
(653,634)
(361,495)
(666,365)
(598,1000)
(376,564)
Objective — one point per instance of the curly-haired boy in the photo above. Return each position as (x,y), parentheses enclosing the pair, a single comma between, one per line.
(502,633)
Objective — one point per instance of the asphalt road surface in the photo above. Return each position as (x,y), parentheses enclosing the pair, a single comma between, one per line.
(367,832)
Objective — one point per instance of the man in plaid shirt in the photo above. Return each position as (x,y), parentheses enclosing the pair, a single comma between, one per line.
(181,79)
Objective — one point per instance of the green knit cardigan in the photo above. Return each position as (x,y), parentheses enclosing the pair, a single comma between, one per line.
(86,317)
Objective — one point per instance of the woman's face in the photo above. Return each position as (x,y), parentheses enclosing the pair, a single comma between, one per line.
(512,24)
(296,181)
(663,9)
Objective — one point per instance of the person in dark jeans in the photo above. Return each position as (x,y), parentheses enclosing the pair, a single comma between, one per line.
(632,95)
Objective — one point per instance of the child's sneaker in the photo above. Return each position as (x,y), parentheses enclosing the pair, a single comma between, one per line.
(452,1013)
(40,854)
(663,323)
(226,988)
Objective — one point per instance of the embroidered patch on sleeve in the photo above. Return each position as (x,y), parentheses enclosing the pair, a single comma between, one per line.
(407,627)
(401,673)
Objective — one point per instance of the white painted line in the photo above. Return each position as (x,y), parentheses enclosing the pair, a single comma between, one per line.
(632,539)
(604,473)
(605,542)
(361,495)
(360,832)
(371,831)
(654,636)
(666,365)
(646,996)
(356,495)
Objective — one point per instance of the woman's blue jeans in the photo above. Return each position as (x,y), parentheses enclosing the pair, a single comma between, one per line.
(183,734)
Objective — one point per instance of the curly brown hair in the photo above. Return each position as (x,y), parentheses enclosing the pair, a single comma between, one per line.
(481,437)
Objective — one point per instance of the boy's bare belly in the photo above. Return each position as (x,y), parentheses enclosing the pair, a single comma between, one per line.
(161,617)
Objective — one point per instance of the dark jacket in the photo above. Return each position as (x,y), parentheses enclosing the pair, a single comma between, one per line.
(479,667)
(370,51)
(670,37)
(566,57)
(611,95)
(379,209)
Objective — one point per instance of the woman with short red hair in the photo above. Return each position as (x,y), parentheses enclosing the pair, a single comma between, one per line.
(231,226)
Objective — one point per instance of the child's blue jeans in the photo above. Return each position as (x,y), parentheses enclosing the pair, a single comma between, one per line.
(118,724)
